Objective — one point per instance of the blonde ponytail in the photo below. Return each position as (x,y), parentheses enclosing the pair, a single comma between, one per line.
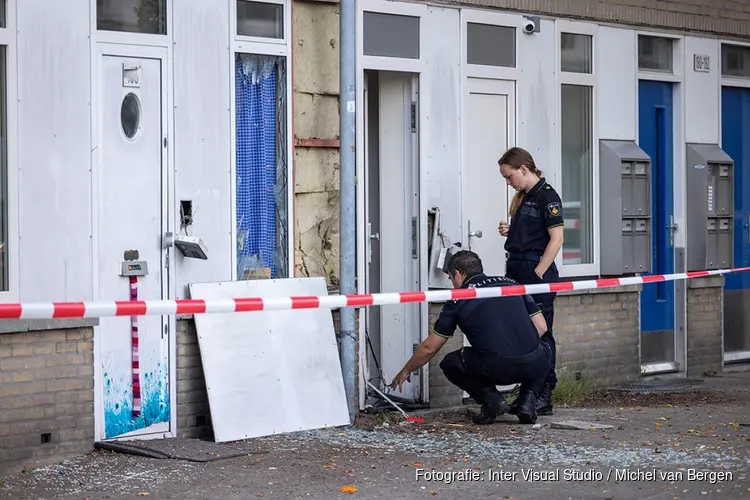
(516,203)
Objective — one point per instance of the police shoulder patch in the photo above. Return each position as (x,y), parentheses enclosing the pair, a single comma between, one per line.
(554,208)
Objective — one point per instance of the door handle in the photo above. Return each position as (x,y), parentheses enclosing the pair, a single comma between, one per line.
(369,231)
(672,228)
(167,243)
(475,234)
(375,236)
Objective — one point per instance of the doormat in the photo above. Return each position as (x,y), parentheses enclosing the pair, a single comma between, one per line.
(673,385)
(193,450)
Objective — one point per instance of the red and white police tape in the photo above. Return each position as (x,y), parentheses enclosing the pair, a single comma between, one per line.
(57,310)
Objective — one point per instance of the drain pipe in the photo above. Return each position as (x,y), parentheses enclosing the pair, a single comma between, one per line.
(348,215)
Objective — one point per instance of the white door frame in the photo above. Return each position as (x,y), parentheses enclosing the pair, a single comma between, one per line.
(411,158)
(366,312)
(103,49)
(496,73)
(418,67)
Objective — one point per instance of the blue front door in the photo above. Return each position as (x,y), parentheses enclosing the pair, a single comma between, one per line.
(735,141)
(655,126)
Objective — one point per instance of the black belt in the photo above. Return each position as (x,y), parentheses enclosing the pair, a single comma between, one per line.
(530,256)
(528,358)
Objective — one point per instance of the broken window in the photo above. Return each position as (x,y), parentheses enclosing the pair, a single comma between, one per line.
(261,167)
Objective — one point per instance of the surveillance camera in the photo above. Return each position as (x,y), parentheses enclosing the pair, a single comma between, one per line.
(529,26)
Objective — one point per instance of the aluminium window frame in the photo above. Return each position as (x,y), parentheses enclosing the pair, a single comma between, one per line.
(732,80)
(583,80)
(241,44)
(259,41)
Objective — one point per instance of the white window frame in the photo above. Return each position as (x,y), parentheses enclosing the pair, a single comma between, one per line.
(133,37)
(384,63)
(268,47)
(494,19)
(8,38)
(259,40)
(676,76)
(732,81)
(585,80)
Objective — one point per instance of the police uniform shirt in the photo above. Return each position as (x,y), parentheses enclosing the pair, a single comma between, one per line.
(540,211)
(498,326)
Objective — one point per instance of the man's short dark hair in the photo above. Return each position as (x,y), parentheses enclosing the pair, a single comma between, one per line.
(465,262)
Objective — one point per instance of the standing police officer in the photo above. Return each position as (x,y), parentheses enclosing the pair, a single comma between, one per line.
(534,239)
(505,347)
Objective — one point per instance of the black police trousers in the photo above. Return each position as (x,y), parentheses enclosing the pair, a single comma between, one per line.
(522,270)
(478,374)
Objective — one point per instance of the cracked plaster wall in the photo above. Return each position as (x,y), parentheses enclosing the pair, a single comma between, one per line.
(316,169)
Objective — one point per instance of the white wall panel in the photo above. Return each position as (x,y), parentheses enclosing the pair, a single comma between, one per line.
(202,92)
(616,82)
(54,151)
(443,132)
(702,91)
(537,96)
(441,119)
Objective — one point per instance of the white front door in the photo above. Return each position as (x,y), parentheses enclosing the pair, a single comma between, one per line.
(489,130)
(132,218)
(392,181)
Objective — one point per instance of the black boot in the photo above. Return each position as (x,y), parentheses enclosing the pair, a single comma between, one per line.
(491,410)
(544,402)
(526,410)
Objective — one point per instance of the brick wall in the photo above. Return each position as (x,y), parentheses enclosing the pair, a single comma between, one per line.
(46,397)
(443,394)
(705,320)
(193,412)
(597,333)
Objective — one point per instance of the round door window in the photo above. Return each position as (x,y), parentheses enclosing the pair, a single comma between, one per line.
(130,115)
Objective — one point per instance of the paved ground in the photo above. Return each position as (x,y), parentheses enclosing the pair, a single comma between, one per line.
(663,446)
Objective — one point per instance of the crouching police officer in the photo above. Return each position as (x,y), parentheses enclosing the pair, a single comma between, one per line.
(505,347)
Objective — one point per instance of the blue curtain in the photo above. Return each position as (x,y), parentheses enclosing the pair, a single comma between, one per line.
(256,83)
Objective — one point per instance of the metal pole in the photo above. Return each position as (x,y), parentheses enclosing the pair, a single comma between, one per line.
(348,216)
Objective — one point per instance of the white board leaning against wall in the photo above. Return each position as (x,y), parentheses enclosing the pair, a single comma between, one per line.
(270,372)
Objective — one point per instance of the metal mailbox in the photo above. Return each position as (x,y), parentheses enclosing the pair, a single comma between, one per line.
(710,208)
(625,221)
